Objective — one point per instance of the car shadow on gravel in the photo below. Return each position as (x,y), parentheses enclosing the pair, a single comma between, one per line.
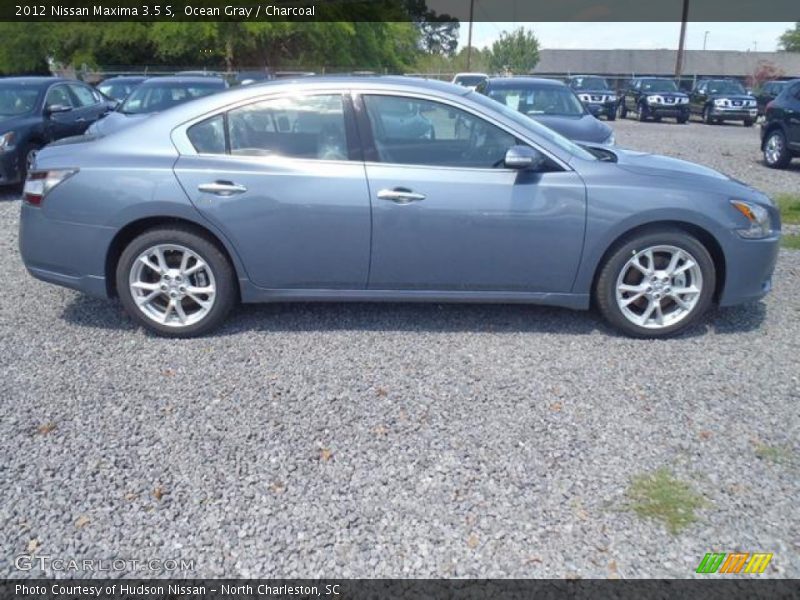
(87,311)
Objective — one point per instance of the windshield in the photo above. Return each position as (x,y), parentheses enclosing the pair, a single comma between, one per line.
(531,125)
(725,87)
(659,85)
(155,98)
(547,100)
(16,101)
(117,91)
(589,83)
(469,80)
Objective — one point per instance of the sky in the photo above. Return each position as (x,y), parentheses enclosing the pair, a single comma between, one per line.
(721,36)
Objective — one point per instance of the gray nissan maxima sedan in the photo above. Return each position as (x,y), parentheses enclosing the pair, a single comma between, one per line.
(331,189)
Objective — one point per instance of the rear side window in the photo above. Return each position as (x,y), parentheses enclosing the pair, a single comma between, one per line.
(208,137)
(297,127)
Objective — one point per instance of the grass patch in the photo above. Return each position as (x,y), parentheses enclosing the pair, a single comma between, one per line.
(774,454)
(790,241)
(789,205)
(661,497)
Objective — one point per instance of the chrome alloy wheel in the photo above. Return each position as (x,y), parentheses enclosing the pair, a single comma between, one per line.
(774,148)
(659,287)
(172,285)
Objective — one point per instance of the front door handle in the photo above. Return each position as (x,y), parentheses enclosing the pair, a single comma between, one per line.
(80,120)
(400,195)
(222,188)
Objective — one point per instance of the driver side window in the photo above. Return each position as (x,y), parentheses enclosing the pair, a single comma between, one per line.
(413,131)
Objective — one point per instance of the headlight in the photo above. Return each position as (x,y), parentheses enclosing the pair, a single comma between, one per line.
(684,100)
(757,216)
(721,102)
(7,141)
(610,140)
(654,99)
(751,103)
(611,98)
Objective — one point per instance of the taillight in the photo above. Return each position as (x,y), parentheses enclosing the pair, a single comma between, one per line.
(40,183)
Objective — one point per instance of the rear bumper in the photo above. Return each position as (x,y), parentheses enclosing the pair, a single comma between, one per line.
(67,254)
(748,269)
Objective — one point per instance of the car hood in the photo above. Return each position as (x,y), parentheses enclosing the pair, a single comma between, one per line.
(115,121)
(596,92)
(664,166)
(666,94)
(585,128)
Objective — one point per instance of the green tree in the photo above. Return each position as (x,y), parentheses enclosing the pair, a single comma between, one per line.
(790,40)
(517,51)
(25,48)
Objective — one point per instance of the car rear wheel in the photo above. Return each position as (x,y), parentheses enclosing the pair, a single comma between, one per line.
(656,284)
(749,122)
(776,154)
(175,282)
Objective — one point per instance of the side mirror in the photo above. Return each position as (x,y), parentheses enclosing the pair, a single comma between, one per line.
(52,109)
(523,158)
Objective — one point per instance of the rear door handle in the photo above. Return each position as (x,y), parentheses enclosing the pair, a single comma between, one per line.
(400,195)
(222,188)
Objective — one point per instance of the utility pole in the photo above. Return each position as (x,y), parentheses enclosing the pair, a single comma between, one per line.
(469,35)
(681,43)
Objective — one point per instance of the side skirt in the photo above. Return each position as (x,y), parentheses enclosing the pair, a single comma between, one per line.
(253,294)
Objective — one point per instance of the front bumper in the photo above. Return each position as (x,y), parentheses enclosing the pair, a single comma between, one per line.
(669,110)
(749,265)
(67,254)
(734,114)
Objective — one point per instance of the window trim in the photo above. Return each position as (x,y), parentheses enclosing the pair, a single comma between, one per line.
(371,156)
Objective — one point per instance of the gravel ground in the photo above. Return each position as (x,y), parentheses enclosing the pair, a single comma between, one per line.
(399,440)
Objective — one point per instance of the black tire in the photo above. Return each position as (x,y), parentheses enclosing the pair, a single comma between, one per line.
(223,273)
(623,110)
(612,116)
(682,120)
(707,118)
(605,286)
(783,155)
(749,122)
(643,111)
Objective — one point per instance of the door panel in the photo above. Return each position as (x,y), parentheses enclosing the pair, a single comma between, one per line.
(476,229)
(300,223)
(281,188)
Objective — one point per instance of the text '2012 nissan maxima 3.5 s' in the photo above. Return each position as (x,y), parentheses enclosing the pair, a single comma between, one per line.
(386,189)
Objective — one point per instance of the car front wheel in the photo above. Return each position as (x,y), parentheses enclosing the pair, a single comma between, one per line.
(776,154)
(175,282)
(656,284)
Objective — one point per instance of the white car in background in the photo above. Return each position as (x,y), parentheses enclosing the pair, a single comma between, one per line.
(470,80)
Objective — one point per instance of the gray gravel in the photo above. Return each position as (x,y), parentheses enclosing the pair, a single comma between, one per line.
(395,440)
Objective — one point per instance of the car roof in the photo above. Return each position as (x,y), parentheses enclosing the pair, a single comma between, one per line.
(584,76)
(35,81)
(121,78)
(513,81)
(658,78)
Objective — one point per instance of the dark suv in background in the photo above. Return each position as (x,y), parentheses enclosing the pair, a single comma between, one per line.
(595,94)
(718,100)
(654,97)
(780,131)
